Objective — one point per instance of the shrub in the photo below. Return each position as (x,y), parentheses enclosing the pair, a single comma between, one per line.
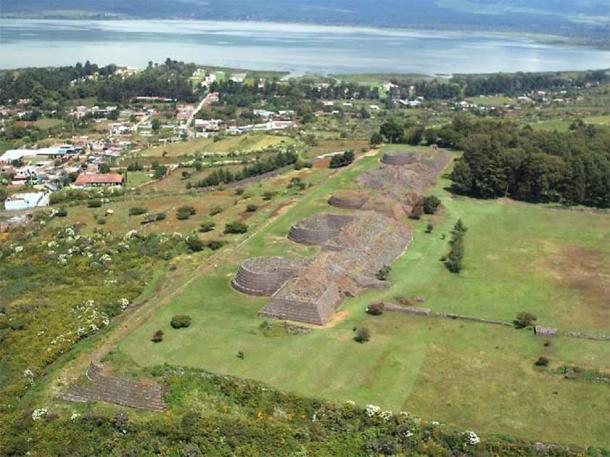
(268,195)
(216,210)
(542,362)
(137,210)
(195,244)
(383,274)
(240,355)
(61,212)
(362,335)
(342,160)
(524,320)
(180,321)
(296,183)
(100,220)
(251,208)
(236,227)
(150,218)
(429,227)
(157,336)
(207,227)
(431,204)
(376,309)
(376,139)
(239,191)
(214,244)
(185,212)
(94,203)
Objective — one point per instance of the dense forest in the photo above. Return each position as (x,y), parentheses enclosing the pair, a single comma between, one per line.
(502,159)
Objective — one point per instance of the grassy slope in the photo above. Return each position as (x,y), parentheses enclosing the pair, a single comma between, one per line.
(465,374)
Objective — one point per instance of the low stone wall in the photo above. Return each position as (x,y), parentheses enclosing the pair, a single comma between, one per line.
(586,336)
(428,312)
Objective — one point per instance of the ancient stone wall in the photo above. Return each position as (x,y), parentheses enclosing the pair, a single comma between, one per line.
(319,228)
(144,394)
(263,276)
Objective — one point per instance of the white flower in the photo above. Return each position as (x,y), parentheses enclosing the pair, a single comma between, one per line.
(124,303)
(74,416)
(40,412)
(18,249)
(386,415)
(351,402)
(471,438)
(372,410)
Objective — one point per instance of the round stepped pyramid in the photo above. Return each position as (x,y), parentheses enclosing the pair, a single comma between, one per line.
(263,276)
(319,228)
(349,199)
(399,158)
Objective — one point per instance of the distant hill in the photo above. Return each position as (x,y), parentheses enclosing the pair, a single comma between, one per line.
(572,18)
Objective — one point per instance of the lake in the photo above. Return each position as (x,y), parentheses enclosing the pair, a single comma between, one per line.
(297,48)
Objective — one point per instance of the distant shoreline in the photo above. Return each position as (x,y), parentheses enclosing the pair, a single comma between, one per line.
(543,38)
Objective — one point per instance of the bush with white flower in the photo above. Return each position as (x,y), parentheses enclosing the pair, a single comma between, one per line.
(372,410)
(39,413)
(471,438)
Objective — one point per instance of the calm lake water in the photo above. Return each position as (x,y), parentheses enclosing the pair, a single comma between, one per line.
(291,47)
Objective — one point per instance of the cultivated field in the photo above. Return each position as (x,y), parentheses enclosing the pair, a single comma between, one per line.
(519,257)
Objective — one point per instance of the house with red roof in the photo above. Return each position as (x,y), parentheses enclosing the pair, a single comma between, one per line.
(99,180)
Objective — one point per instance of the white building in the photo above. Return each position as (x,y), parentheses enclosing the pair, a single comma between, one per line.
(26,201)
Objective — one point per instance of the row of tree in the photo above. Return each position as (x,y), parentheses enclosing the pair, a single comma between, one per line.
(259,167)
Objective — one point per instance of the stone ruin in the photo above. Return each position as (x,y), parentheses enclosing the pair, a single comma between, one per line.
(309,290)
(349,199)
(404,182)
(143,394)
(399,158)
(354,247)
(263,276)
(319,228)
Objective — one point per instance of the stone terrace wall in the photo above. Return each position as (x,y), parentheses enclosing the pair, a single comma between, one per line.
(319,228)
(349,200)
(399,158)
(263,276)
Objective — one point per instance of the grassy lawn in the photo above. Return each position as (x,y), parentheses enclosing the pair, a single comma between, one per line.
(46,124)
(137,178)
(238,143)
(518,257)
(490,101)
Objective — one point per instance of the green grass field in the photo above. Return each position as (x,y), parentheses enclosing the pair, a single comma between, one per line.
(237,144)
(551,262)
(490,101)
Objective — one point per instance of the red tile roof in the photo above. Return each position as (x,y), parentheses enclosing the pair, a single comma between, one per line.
(92,178)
